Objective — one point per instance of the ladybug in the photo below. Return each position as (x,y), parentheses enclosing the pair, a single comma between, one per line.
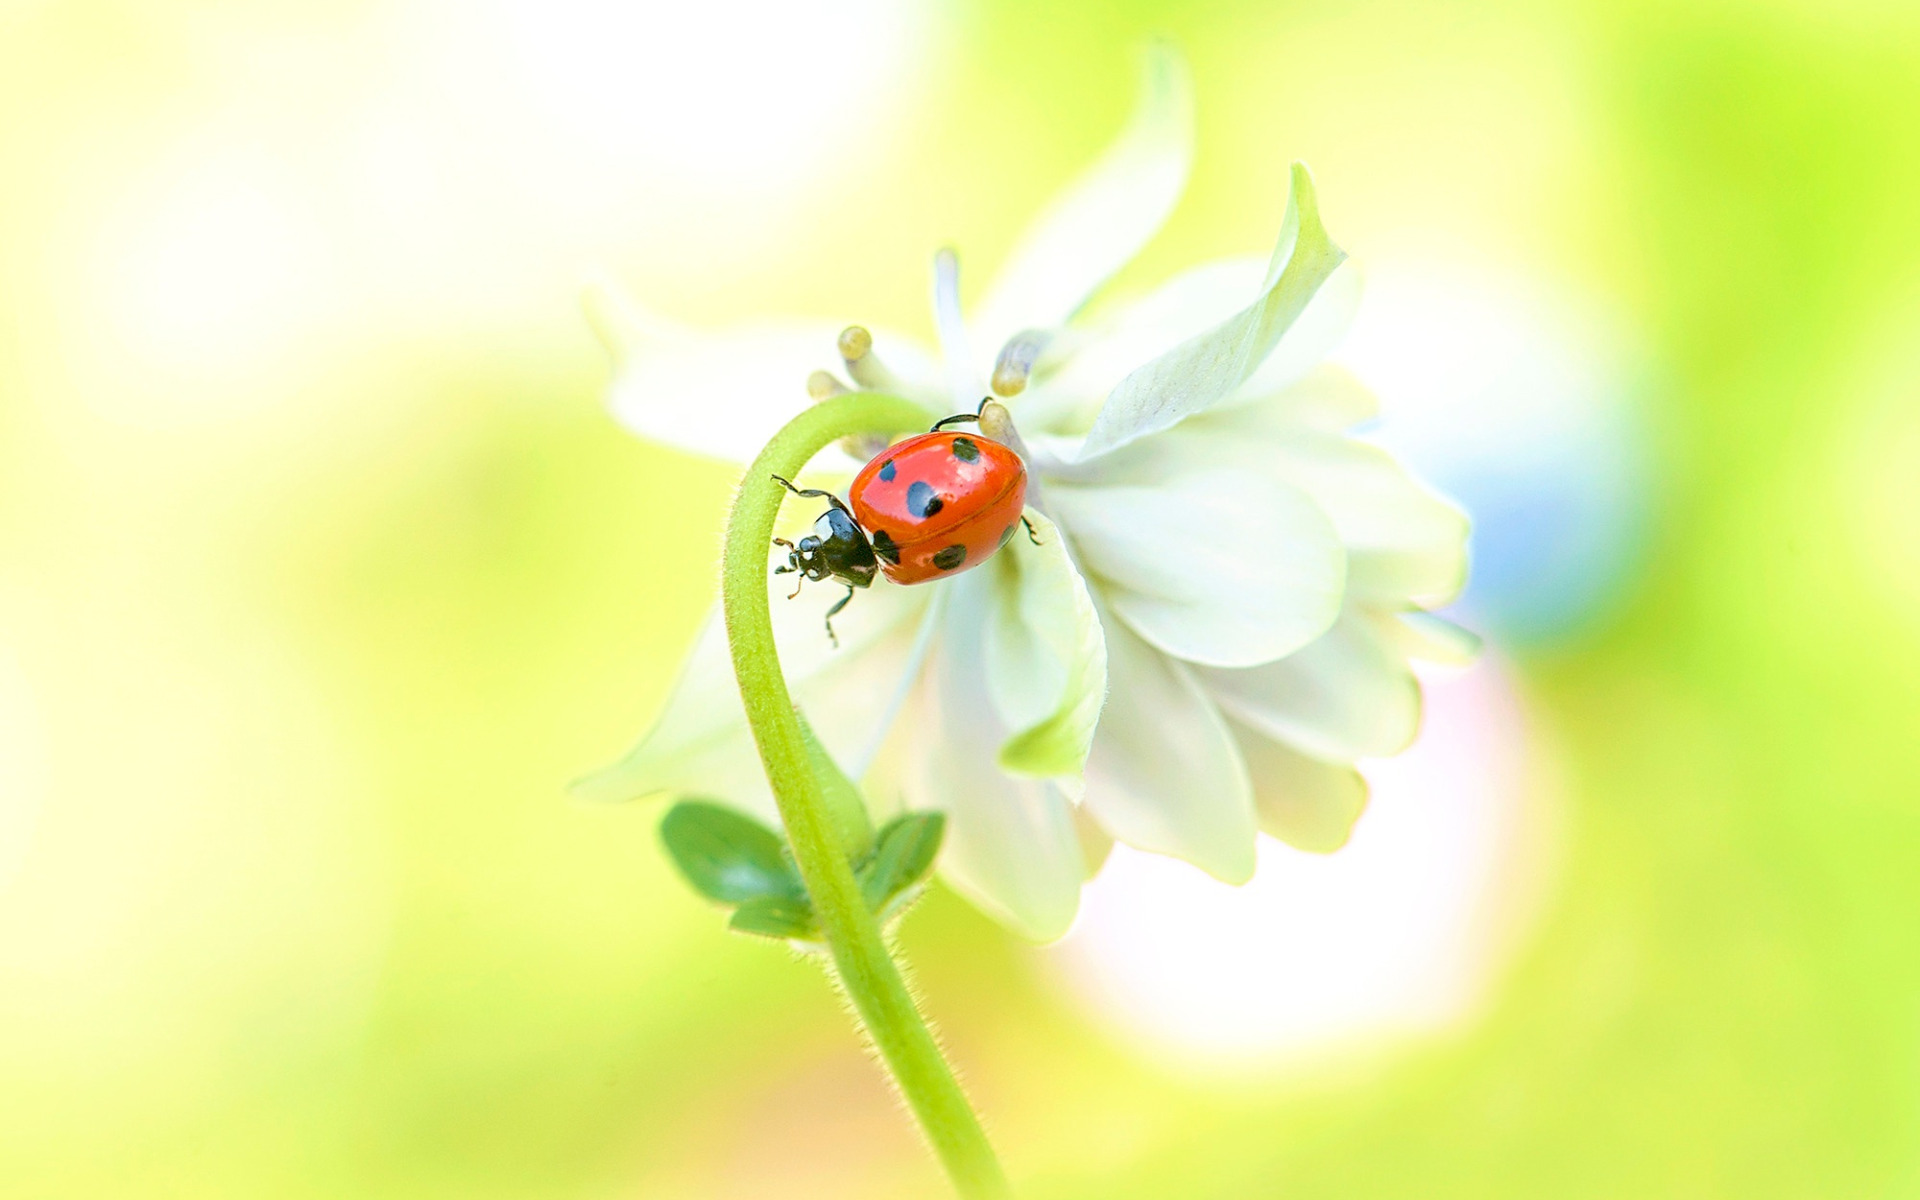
(925,508)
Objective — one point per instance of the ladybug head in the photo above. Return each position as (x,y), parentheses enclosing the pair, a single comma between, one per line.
(837,547)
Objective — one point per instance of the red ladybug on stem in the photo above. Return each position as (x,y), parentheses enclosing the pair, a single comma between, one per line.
(926,508)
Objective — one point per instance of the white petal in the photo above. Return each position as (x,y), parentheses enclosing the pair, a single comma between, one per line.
(1202,371)
(1329,397)
(1011,844)
(847,699)
(718,763)
(723,393)
(1348,694)
(700,744)
(965,384)
(701,720)
(1213,565)
(1070,390)
(1103,219)
(1074,376)
(1405,545)
(1165,774)
(908,661)
(1308,804)
(1046,656)
(1311,337)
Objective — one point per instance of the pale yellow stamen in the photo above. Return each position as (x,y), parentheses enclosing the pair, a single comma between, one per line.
(855,343)
(869,373)
(997,423)
(1015,364)
(822,385)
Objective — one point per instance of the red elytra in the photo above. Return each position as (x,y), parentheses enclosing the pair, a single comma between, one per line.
(939,504)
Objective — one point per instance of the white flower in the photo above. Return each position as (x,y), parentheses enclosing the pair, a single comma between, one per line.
(1225,625)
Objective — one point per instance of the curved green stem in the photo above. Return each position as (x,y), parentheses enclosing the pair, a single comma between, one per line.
(866,970)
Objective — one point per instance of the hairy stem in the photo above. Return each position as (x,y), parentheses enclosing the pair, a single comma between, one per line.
(867,972)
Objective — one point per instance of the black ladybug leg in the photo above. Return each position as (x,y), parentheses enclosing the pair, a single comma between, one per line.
(838,605)
(1031,535)
(829,497)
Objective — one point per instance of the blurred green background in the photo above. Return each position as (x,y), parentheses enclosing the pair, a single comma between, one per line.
(322,571)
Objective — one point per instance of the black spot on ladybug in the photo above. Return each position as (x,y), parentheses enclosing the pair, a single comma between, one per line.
(950,558)
(886,471)
(1006,535)
(966,449)
(884,546)
(921,501)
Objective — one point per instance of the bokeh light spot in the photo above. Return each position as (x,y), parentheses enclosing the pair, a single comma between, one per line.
(1320,954)
(1512,400)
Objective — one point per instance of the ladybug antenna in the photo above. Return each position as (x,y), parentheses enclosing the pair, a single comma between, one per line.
(962,418)
(793,565)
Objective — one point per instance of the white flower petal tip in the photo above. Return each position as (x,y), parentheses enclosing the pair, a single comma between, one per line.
(620,782)
(634,776)
(1039,915)
(1039,926)
(1102,220)
(964,384)
(1348,694)
(1308,804)
(678,759)
(1046,657)
(1214,565)
(1165,774)
(1202,371)
(1424,636)
(691,745)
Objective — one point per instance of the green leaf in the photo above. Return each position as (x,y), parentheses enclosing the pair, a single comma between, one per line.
(846,807)
(727,856)
(904,853)
(776,917)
